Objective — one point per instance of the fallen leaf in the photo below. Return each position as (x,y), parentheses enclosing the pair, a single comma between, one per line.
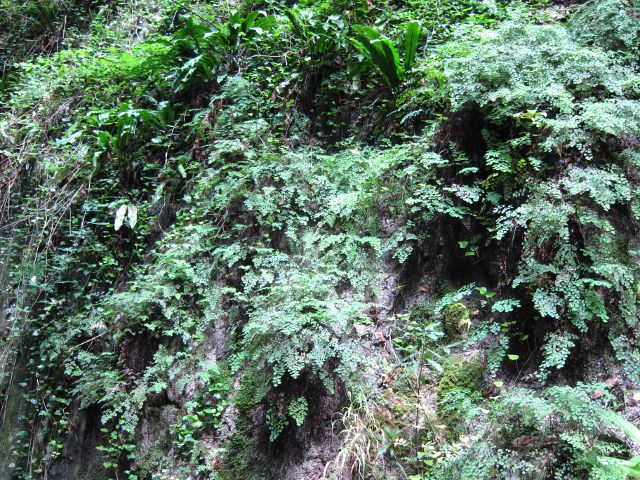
(522,441)
(120,213)
(361,330)
(380,338)
(611,382)
(132,215)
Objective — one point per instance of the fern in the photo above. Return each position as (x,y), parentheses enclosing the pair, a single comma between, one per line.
(610,24)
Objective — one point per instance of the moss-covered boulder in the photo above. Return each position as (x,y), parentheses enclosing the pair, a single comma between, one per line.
(456,316)
(458,392)
(460,372)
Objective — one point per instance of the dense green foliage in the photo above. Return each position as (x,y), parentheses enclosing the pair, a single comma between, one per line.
(225,224)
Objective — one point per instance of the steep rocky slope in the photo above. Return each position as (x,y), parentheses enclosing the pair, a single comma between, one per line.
(258,240)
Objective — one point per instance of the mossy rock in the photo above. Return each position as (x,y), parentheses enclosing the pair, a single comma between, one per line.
(457,391)
(455,317)
(11,426)
(460,373)
(253,388)
(242,459)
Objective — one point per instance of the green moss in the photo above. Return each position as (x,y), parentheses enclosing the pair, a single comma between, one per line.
(455,317)
(253,388)
(242,459)
(9,427)
(460,373)
(458,390)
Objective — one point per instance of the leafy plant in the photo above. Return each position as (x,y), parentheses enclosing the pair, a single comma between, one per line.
(381,53)
(561,418)
(194,53)
(319,37)
(610,24)
(630,467)
(239,29)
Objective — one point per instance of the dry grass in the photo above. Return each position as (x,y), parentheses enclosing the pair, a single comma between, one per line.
(362,433)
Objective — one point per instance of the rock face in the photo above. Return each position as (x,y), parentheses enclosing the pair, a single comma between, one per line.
(305,452)
(80,458)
